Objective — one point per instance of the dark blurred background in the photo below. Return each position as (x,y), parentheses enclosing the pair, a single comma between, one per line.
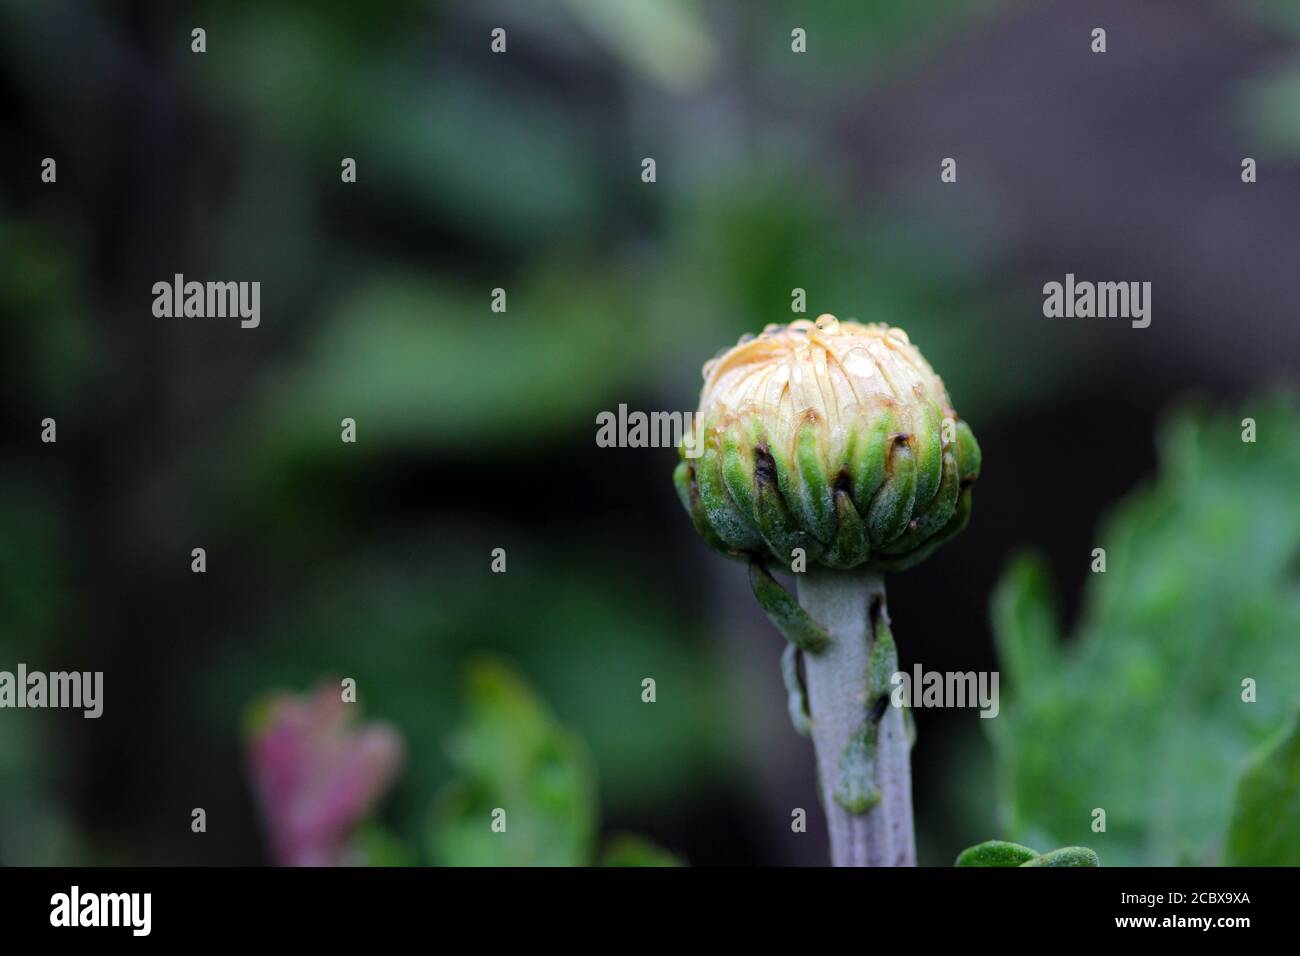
(775,170)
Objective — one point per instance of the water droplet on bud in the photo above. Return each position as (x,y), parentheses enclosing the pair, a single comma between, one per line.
(828,323)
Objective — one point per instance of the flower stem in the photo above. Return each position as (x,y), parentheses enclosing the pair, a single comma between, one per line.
(863,753)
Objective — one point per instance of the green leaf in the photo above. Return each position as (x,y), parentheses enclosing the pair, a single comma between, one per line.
(1025,621)
(996,853)
(1265,827)
(1066,856)
(1140,714)
(626,850)
(784,611)
(1002,853)
(518,767)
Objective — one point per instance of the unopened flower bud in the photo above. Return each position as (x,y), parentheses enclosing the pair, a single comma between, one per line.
(834,437)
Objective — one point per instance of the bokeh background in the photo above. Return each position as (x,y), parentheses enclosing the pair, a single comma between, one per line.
(476,429)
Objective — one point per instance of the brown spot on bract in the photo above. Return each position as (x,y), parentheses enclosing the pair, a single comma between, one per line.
(764,466)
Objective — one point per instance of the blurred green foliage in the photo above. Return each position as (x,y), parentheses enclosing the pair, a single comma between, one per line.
(35,825)
(668,41)
(516,767)
(1268,102)
(1141,713)
(626,850)
(401,353)
(524,791)
(404,624)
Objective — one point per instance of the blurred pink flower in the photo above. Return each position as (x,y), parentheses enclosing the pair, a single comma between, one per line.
(315,776)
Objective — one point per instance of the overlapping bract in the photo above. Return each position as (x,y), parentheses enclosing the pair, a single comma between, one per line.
(837,438)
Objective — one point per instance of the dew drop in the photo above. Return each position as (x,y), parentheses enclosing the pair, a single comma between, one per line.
(859,362)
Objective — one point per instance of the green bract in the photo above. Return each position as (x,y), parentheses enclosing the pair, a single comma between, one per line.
(834,438)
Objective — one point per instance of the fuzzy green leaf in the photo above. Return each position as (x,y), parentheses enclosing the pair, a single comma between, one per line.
(786,614)
(996,853)
(1066,856)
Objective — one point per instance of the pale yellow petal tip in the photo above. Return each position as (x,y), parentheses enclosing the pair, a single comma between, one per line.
(838,371)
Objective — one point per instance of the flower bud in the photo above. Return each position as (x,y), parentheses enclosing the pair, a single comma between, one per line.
(834,437)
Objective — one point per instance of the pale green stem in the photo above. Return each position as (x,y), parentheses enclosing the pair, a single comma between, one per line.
(840,702)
